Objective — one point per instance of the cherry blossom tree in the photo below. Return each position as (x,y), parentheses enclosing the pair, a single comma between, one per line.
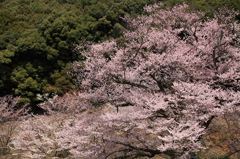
(38,137)
(70,103)
(168,77)
(152,92)
(9,109)
(10,113)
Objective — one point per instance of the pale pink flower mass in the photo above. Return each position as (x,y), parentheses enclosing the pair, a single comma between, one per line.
(161,84)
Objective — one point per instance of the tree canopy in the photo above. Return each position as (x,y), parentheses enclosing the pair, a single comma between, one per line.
(38,38)
(154,91)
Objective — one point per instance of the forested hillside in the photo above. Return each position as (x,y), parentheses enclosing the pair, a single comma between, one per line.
(111,79)
(38,37)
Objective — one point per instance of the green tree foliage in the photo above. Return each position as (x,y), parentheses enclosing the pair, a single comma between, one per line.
(6,18)
(27,82)
(37,39)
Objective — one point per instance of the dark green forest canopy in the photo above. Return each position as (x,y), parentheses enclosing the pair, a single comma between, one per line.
(37,38)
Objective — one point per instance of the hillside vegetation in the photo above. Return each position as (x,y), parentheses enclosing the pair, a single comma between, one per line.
(119,79)
(38,37)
